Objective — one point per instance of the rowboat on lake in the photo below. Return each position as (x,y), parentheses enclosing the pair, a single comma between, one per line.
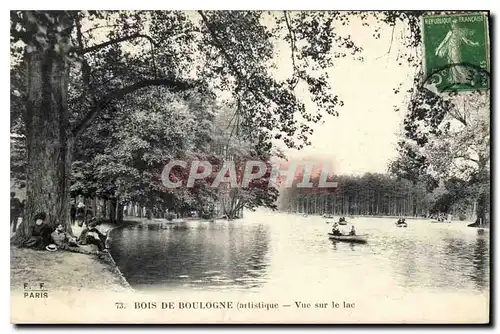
(362,238)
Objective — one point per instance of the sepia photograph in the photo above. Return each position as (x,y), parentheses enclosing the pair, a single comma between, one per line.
(250,167)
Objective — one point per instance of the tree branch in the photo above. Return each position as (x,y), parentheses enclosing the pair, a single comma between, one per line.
(101,27)
(85,66)
(221,48)
(123,39)
(237,73)
(119,93)
(390,45)
(465,157)
(115,41)
(457,115)
(292,45)
(132,72)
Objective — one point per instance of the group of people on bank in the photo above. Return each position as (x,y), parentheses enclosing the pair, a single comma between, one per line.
(45,235)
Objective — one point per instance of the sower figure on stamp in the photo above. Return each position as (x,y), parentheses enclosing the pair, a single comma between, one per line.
(450,48)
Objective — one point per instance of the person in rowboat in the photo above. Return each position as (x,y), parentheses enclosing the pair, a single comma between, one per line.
(353,231)
(335,229)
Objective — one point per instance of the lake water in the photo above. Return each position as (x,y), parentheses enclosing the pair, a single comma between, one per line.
(266,251)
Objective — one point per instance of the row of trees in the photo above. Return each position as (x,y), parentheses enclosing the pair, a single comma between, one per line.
(371,194)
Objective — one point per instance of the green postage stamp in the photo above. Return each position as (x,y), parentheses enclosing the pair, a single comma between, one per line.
(456,49)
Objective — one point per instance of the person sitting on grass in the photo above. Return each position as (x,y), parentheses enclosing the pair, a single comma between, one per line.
(65,241)
(91,235)
(40,236)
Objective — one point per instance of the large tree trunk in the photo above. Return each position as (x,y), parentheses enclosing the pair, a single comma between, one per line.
(482,209)
(94,206)
(48,139)
(119,213)
(112,210)
(483,201)
(104,211)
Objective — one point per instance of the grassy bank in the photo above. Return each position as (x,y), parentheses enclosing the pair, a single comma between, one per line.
(63,270)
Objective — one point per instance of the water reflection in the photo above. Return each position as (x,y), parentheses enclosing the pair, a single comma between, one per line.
(204,255)
(278,251)
(481,264)
(447,261)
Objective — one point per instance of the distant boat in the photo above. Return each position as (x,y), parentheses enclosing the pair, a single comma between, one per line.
(401,223)
(340,223)
(437,221)
(327,216)
(362,238)
(169,222)
(304,215)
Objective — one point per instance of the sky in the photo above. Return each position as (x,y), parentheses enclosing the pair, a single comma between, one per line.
(363,137)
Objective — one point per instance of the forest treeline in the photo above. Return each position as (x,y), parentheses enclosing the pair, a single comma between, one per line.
(377,195)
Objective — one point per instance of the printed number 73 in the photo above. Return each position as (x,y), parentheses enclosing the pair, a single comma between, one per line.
(119,305)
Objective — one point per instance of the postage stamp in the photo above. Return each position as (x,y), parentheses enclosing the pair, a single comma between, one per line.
(456,49)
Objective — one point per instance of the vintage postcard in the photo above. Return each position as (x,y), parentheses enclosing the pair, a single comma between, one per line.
(250,167)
